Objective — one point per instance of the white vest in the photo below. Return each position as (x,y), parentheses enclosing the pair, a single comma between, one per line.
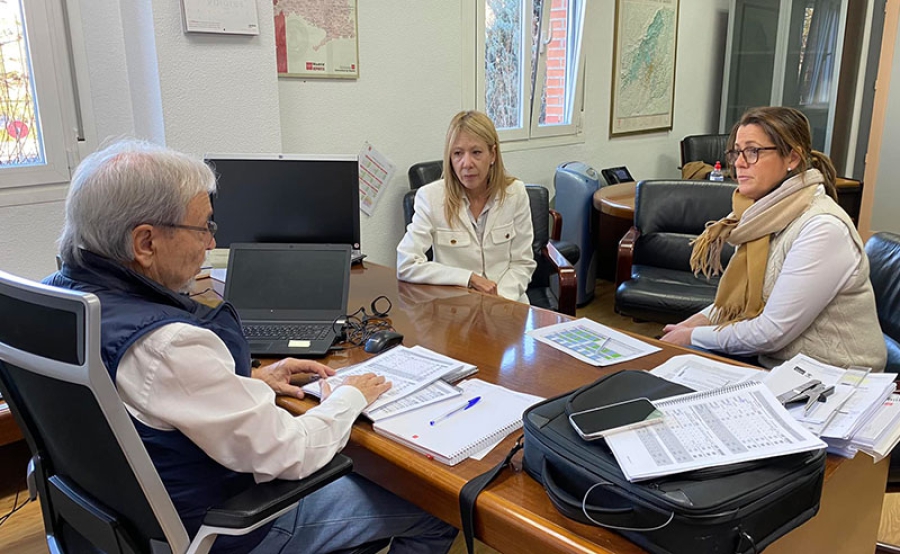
(847,331)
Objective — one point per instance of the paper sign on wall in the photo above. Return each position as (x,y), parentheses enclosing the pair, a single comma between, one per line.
(375,172)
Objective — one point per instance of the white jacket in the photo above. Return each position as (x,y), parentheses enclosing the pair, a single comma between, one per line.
(505,256)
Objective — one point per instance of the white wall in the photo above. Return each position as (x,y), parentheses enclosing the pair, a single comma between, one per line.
(221,94)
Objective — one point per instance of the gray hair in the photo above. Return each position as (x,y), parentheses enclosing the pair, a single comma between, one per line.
(124,185)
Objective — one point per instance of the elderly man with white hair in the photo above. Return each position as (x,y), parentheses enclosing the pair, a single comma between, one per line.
(138,224)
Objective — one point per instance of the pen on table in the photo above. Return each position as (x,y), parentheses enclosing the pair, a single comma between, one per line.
(456,410)
(603,344)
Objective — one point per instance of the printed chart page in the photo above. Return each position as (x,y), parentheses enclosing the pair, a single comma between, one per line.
(592,342)
(408,372)
(699,430)
(703,374)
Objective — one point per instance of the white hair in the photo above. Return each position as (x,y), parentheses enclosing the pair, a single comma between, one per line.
(123,185)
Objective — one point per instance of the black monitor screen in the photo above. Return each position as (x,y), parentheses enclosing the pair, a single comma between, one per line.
(286,199)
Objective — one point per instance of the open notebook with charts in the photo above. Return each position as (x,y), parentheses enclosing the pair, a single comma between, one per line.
(416,379)
(592,342)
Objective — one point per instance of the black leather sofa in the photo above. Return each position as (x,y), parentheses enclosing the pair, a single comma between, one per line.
(654,281)
(883,250)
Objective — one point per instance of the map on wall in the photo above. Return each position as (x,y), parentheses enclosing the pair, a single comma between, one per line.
(644,66)
(316,38)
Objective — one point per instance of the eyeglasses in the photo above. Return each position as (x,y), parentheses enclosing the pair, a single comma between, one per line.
(210,228)
(751,154)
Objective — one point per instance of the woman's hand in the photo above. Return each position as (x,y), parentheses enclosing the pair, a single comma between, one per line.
(482,284)
(278,375)
(370,385)
(696,320)
(680,333)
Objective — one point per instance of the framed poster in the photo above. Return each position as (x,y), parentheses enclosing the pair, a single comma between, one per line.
(643,94)
(316,39)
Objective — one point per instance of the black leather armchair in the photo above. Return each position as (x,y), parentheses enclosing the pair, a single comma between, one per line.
(98,488)
(423,173)
(553,283)
(883,250)
(653,275)
(704,148)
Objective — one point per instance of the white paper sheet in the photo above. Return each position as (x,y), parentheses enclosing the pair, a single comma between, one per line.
(592,342)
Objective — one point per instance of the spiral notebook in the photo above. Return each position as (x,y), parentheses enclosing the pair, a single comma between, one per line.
(455,437)
(737,423)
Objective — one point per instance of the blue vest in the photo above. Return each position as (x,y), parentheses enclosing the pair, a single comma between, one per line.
(131,306)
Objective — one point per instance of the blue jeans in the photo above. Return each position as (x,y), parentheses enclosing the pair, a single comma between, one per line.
(352,511)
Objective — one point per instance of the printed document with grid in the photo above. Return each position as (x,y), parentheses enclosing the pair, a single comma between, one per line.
(410,372)
(707,429)
(592,342)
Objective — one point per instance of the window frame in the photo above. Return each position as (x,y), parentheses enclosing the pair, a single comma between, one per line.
(531,133)
(58,112)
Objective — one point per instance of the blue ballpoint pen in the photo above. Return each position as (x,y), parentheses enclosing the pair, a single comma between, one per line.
(456,410)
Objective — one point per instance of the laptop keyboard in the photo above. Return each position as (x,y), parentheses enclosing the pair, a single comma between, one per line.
(287,332)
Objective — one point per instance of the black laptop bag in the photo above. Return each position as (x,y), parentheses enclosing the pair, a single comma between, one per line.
(739,508)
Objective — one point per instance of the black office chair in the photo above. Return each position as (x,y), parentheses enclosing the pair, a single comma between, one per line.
(654,281)
(423,173)
(553,284)
(703,148)
(98,487)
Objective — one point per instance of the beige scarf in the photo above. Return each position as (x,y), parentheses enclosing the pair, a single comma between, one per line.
(749,227)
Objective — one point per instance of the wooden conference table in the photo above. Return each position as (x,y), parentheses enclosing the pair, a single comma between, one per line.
(514,514)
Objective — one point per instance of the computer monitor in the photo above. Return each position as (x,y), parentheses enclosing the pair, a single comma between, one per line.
(286,198)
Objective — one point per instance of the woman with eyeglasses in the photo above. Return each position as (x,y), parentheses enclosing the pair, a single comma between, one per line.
(799,278)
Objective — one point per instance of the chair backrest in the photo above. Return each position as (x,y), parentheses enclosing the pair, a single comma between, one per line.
(669,214)
(423,173)
(95,479)
(704,148)
(883,250)
(539,199)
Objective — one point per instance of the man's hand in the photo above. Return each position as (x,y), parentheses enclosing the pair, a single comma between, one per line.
(372,386)
(482,284)
(278,375)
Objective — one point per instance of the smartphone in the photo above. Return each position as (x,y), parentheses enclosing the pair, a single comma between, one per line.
(594,423)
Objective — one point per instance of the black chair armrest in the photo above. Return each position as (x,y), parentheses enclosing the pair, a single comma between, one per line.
(568,284)
(261,501)
(570,250)
(625,255)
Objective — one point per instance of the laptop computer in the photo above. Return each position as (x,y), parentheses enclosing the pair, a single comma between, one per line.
(292,298)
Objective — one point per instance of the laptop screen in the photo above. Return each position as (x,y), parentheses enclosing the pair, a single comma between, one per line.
(288,281)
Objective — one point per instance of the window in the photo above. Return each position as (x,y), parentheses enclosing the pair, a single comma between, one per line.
(529,76)
(36,95)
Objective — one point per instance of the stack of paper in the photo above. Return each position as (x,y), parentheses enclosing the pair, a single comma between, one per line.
(879,435)
(416,375)
(857,401)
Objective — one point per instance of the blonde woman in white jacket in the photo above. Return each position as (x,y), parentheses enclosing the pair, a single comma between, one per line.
(476,219)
